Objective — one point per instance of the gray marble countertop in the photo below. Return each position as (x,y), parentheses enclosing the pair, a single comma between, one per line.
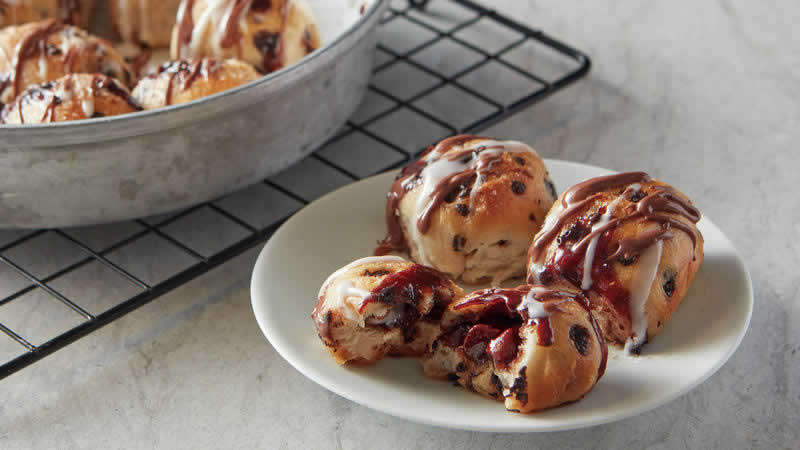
(702,94)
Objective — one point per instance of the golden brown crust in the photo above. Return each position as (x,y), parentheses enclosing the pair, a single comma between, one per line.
(39,52)
(481,232)
(72,97)
(493,346)
(144,22)
(615,308)
(183,81)
(73,12)
(278,33)
(381,306)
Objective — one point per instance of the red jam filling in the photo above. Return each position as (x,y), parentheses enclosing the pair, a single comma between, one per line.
(604,278)
(402,291)
(494,333)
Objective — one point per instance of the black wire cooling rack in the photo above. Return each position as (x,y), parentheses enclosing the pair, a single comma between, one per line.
(443,67)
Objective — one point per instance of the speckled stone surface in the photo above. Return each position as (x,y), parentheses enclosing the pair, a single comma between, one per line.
(702,94)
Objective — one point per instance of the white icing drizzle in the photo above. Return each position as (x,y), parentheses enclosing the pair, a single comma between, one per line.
(87,105)
(346,296)
(591,249)
(640,292)
(42,60)
(439,168)
(535,307)
(213,20)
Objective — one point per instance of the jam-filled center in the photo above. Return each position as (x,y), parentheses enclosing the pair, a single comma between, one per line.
(403,293)
(494,332)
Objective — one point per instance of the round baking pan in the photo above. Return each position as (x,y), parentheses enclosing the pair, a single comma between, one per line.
(150,162)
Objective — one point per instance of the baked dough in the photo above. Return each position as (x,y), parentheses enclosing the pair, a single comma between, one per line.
(269,34)
(469,207)
(146,23)
(379,306)
(182,81)
(73,12)
(72,97)
(531,347)
(38,52)
(631,243)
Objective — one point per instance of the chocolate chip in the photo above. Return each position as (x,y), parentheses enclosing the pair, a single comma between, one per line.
(260,5)
(502,242)
(580,338)
(307,44)
(574,233)
(451,196)
(546,276)
(460,367)
(465,192)
(638,195)
(452,376)
(458,242)
(377,273)
(462,209)
(497,383)
(267,44)
(519,386)
(532,217)
(669,283)
(551,188)
(517,187)
(627,261)
(519,160)
(637,350)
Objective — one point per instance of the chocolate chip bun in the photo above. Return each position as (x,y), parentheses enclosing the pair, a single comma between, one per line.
(146,23)
(631,243)
(72,97)
(381,306)
(269,34)
(73,12)
(38,52)
(182,81)
(531,347)
(470,207)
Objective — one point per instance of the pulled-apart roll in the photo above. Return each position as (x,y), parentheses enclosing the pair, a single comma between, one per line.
(381,306)
(530,347)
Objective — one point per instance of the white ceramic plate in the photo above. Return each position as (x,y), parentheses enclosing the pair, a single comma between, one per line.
(345,225)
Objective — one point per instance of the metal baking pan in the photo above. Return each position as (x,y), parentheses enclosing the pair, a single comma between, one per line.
(150,162)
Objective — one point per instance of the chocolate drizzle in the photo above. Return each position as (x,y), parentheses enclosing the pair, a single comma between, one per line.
(26,48)
(186,73)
